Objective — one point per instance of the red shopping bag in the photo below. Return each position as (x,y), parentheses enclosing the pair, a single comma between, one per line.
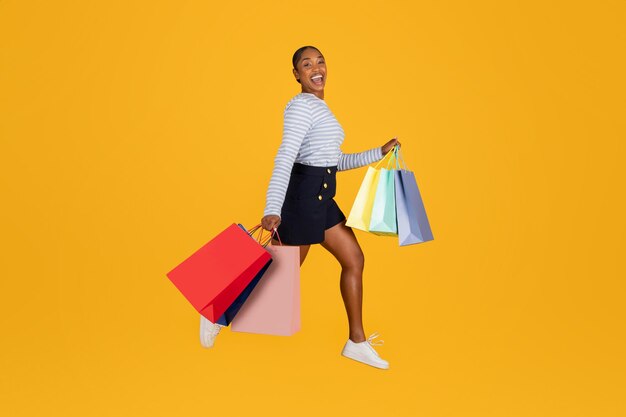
(213,276)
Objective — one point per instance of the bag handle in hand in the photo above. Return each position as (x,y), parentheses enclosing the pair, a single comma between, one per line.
(267,240)
(398,157)
(275,232)
(387,155)
(393,160)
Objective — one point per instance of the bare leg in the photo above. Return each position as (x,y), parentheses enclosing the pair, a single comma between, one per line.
(341,242)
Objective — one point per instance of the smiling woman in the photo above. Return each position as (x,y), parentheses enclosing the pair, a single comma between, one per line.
(300,207)
(300,204)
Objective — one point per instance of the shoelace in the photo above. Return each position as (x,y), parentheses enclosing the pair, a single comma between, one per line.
(371,341)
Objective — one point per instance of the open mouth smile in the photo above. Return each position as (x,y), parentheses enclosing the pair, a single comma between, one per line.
(317,79)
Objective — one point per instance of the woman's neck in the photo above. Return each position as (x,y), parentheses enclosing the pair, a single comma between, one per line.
(318,94)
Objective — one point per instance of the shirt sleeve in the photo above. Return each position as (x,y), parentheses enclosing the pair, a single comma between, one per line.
(357,160)
(298,119)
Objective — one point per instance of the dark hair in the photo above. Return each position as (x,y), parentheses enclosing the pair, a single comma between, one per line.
(298,54)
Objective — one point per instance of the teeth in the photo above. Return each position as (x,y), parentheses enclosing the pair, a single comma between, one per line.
(315,77)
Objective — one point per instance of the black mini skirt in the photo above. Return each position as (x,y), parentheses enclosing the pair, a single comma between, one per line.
(309,209)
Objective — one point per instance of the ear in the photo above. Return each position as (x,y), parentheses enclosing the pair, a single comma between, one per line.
(295,73)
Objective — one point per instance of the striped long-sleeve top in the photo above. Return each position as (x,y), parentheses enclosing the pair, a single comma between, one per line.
(311,136)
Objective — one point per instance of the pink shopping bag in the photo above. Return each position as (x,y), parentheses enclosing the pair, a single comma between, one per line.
(273,307)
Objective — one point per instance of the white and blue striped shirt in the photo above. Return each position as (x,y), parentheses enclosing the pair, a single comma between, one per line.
(311,136)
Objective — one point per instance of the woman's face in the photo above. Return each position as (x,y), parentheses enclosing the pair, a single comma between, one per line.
(311,71)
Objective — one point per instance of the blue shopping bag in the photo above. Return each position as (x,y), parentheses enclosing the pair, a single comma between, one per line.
(413,224)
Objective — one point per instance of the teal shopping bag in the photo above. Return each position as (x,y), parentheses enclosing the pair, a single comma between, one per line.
(383,221)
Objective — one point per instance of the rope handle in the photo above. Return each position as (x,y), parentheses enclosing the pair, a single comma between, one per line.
(268,239)
(252,231)
(277,235)
(398,159)
(387,155)
(394,159)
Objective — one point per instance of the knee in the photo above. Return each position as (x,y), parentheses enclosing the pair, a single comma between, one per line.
(355,263)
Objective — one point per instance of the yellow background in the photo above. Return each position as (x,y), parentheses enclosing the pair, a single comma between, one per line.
(134,131)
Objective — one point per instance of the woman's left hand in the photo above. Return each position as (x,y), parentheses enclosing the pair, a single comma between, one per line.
(389,145)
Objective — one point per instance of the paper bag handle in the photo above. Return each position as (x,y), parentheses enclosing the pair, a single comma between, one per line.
(388,155)
(264,241)
(399,158)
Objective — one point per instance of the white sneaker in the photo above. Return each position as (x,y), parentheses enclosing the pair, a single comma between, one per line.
(208,331)
(364,352)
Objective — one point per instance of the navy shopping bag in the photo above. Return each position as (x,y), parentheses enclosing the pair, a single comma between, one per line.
(230,313)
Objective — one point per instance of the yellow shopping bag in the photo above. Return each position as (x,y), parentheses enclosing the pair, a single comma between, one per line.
(361,212)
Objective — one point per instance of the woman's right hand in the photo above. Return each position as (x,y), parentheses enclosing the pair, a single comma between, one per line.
(270,222)
(389,145)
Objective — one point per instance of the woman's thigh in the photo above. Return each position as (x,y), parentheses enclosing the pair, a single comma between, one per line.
(341,242)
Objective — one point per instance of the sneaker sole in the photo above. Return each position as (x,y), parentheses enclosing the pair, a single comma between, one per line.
(205,345)
(358,359)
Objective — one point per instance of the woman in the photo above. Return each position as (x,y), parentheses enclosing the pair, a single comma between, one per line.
(300,203)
